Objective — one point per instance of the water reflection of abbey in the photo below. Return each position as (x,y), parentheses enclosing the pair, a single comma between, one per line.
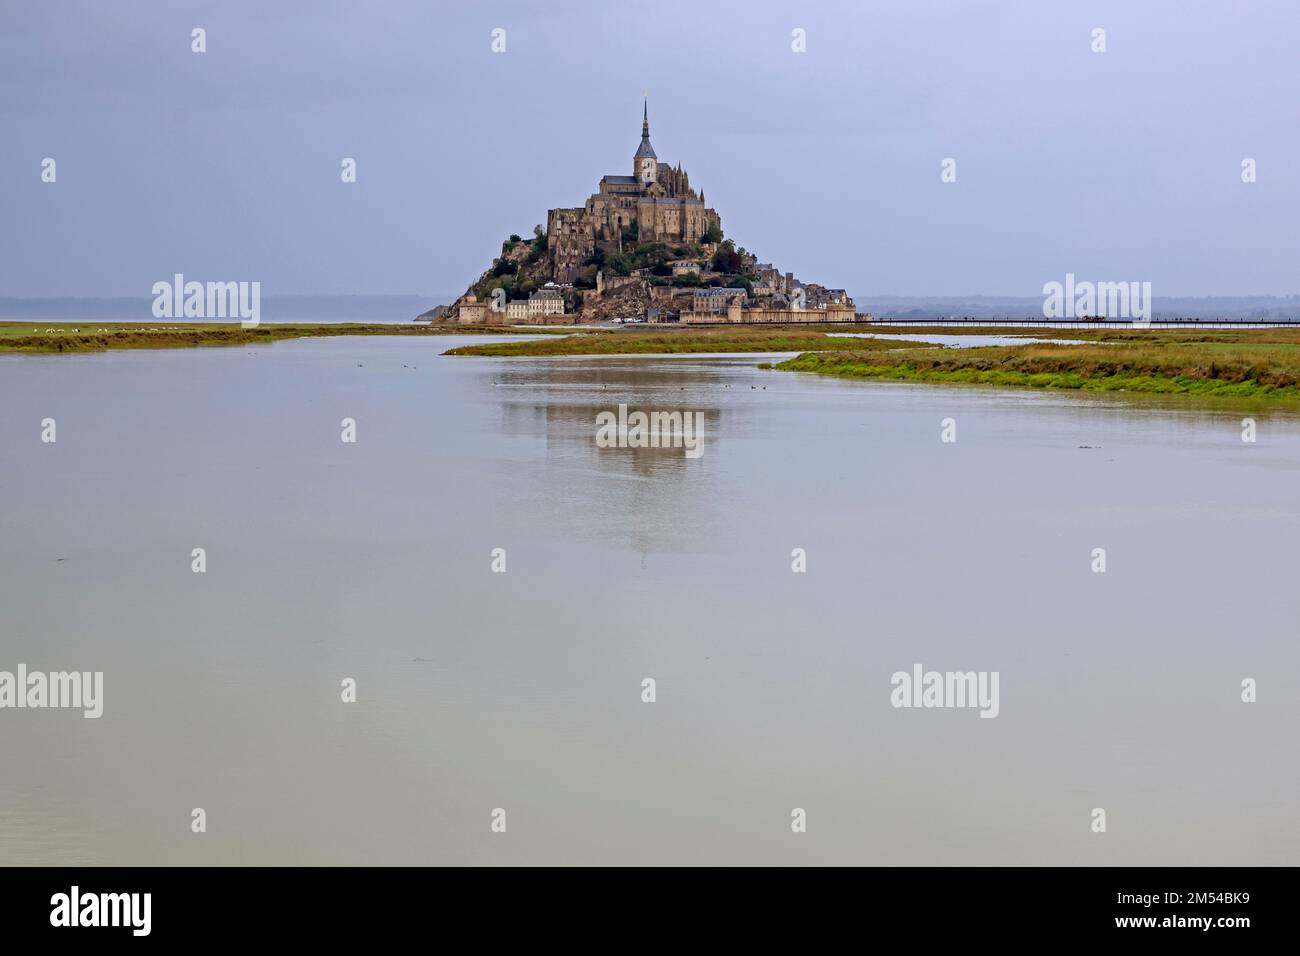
(570,429)
(649,500)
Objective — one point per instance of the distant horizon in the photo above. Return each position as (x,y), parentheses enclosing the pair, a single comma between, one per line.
(404,307)
(450,296)
(447,298)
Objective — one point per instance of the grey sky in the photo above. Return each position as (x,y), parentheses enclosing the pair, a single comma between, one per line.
(225,165)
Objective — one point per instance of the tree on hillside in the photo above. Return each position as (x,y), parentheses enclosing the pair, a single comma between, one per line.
(726,260)
(651,253)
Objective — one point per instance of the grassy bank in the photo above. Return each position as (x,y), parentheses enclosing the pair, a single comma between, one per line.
(1153,337)
(683,340)
(97,336)
(1237,369)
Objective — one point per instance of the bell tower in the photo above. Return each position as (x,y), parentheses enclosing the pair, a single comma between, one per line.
(645,165)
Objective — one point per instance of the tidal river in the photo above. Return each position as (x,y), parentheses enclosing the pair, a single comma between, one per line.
(519,696)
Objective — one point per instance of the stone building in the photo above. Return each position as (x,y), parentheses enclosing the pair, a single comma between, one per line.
(735,314)
(545,302)
(683,267)
(542,306)
(716,299)
(470,311)
(656,200)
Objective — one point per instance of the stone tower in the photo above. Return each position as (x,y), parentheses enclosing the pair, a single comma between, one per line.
(645,165)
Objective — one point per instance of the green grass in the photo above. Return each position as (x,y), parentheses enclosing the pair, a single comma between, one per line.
(1230,363)
(1027,331)
(1247,370)
(1280,337)
(683,340)
(97,336)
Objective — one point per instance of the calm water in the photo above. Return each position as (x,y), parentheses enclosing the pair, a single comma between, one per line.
(523,690)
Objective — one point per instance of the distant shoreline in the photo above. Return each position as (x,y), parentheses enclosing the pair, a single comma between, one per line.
(402,308)
(59,337)
(360,309)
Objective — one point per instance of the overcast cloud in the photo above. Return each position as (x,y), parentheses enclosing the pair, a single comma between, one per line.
(225,165)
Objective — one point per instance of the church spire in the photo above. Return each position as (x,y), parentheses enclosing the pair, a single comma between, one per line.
(645,150)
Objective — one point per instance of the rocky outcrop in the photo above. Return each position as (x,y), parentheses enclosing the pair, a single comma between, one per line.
(626,302)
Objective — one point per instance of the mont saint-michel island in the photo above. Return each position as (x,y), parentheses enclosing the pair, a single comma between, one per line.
(644,266)
(645,246)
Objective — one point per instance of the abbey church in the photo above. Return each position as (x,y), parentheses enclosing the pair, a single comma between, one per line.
(654,204)
(643,248)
